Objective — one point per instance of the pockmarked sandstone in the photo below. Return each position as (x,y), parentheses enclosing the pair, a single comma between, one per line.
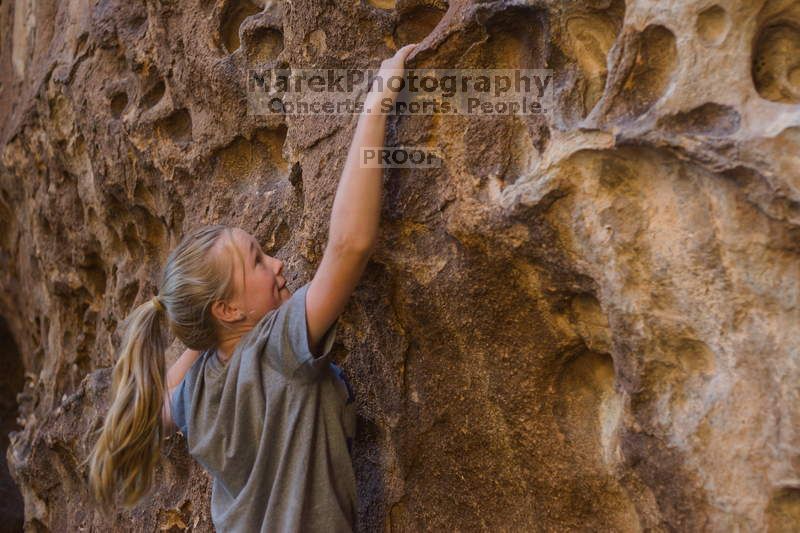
(583,320)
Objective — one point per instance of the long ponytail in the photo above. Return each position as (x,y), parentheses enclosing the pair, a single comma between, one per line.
(129,447)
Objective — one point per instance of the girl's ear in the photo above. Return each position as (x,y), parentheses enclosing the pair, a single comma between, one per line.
(226,312)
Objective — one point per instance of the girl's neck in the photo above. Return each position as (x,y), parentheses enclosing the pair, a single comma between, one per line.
(226,348)
(230,340)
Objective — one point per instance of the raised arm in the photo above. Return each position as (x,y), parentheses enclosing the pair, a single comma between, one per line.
(354,216)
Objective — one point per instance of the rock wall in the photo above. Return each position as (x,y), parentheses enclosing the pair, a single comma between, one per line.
(587,320)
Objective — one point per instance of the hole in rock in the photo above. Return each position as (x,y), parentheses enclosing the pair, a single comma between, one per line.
(177,126)
(651,71)
(776,63)
(264,45)
(710,119)
(516,38)
(589,407)
(236,160)
(316,43)
(712,25)
(12,508)
(118,103)
(296,176)
(93,269)
(416,24)
(153,96)
(783,510)
(273,140)
(590,35)
(242,158)
(232,19)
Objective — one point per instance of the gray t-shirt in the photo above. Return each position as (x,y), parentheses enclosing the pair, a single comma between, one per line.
(274,428)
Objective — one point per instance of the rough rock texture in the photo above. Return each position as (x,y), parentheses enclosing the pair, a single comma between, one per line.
(582,321)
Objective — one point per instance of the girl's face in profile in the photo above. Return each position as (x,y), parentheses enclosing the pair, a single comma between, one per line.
(264,285)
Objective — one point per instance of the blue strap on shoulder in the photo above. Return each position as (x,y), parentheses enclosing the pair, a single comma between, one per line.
(351,396)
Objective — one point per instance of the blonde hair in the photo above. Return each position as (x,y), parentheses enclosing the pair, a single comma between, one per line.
(129,447)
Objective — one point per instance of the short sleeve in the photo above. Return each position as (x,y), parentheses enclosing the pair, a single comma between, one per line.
(180,400)
(287,346)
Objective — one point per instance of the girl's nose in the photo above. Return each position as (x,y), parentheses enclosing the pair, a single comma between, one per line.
(280,267)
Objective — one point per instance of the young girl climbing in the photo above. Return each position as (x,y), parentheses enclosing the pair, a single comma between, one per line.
(263,407)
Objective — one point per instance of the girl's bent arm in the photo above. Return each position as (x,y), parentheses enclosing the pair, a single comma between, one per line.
(174,376)
(180,367)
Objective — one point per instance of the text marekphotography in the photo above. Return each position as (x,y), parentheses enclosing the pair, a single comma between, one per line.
(418,91)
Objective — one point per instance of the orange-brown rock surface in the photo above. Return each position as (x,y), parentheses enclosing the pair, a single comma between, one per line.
(582,321)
